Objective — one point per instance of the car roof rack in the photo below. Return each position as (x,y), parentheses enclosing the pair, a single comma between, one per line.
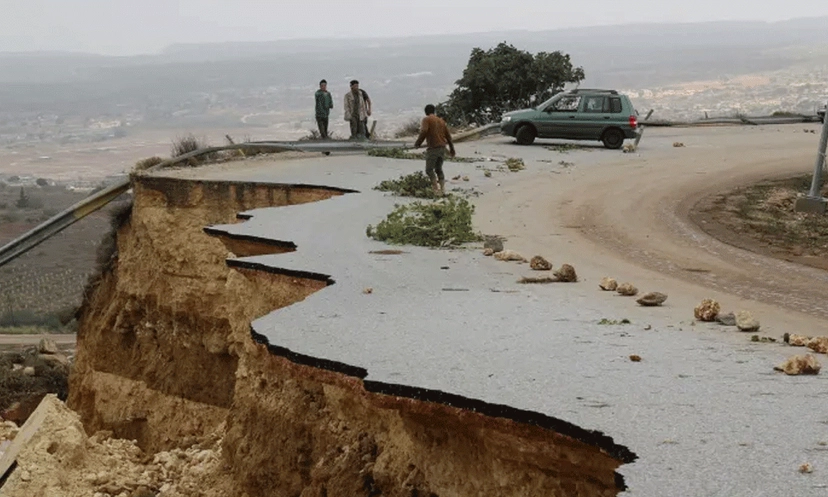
(594,90)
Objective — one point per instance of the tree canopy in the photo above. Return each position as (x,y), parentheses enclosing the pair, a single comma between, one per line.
(503,79)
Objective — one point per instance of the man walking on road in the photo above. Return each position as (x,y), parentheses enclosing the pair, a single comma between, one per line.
(436,134)
(357,111)
(324,104)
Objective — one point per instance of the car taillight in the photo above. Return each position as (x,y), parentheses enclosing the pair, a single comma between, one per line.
(633,122)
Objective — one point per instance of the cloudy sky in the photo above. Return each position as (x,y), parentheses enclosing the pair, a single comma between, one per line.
(142,26)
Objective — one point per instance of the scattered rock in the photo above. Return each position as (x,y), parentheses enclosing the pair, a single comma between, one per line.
(818,345)
(566,274)
(652,299)
(508,255)
(465,178)
(628,148)
(55,359)
(538,263)
(488,252)
(627,290)
(678,144)
(635,358)
(47,346)
(528,280)
(456,178)
(487,174)
(797,365)
(796,340)
(142,491)
(494,243)
(29,371)
(728,319)
(707,311)
(806,468)
(368,291)
(648,328)
(608,284)
(25,476)
(757,338)
(746,322)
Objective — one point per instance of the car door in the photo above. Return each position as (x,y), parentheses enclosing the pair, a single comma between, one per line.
(559,118)
(593,118)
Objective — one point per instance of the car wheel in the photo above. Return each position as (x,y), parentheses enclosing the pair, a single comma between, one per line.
(613,138)
(525,135)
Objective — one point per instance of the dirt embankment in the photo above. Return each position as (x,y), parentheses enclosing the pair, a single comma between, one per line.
(761,218)
(166,357)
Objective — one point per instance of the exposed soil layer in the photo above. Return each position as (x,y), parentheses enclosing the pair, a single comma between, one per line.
(761,218)
(164,313)
(165,355)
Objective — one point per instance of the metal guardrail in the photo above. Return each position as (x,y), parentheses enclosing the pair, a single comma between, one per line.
(60,222)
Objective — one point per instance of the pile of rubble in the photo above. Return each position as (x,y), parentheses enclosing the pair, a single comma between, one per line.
(54,456)
(27,376)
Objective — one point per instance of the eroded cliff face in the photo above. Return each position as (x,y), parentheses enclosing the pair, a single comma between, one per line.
(166,354)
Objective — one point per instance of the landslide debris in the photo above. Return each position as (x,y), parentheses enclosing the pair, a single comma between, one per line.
(652,299)
(509,255)
(27,376)
(60,459)
(608,284)
(443,223)
(707,311)
(627,290)
(800,365)
(538,263)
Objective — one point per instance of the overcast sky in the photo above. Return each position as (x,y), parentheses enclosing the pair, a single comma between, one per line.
(144,26)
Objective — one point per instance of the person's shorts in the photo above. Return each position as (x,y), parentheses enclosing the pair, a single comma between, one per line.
(434,162)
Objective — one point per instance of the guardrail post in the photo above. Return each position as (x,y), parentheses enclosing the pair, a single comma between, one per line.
(814,202)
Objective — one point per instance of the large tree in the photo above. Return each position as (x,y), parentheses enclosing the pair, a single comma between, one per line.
(503,79)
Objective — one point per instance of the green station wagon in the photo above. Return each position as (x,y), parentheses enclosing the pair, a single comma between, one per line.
(601,115)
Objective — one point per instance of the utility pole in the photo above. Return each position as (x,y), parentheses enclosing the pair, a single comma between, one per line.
(814,203)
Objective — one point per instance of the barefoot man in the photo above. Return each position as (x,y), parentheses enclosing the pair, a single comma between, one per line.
(436,134)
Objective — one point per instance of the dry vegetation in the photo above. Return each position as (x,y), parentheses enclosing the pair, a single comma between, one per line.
(762,217)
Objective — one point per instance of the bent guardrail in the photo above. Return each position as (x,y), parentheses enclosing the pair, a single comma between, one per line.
(78,211)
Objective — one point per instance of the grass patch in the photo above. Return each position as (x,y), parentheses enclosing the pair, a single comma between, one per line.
(441,223)
(613,322)
(411,185)
(514,164)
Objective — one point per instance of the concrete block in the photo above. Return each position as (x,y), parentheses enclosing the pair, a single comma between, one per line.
(811,205)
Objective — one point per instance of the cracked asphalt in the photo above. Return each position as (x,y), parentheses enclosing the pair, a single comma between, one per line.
(704,410)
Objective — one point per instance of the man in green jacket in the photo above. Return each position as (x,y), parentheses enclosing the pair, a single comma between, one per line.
(324,104)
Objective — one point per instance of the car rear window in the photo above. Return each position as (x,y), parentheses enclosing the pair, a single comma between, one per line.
(614,105)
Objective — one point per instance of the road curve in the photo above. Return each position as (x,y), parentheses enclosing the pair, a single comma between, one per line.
(627,216)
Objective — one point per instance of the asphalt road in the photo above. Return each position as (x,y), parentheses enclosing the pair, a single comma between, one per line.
(704,410)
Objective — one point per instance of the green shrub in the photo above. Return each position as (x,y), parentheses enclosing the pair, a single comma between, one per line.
(441,223)
(411,185)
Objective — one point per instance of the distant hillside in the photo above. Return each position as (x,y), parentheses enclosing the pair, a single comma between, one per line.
(211,83)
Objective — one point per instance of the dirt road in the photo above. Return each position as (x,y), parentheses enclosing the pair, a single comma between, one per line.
(628,214)
(15,341)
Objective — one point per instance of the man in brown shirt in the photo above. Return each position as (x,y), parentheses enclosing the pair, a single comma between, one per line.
(436,135)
